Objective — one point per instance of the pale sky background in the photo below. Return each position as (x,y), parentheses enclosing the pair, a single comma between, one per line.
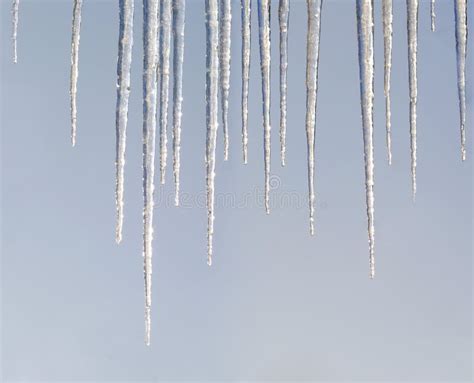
(276,304)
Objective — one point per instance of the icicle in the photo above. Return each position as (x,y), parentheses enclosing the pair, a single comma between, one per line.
(150,59)
(283,17)
(264,38)
(246,31)
(165,42)
(212,86)
(412,24)
(433,15)
(76,29)
(123,92)
(387,10)
(312,61)
(179,9)
(365,29)
(460,14)
(224,65)
(15,6)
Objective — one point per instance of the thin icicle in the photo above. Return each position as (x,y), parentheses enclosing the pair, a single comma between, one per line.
(165,42)
(225,25)
(123,92)
(15,6)
(150,60)
(312,61)
(179,9)
(246,31)
(412,24)
(387,10)
(264,38)
(212,87)
(460,14)
(76,30)
(283,18)
(433,15)
(365,29)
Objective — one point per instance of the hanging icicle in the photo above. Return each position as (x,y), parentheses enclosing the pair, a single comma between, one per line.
(246,32)
(264,39)
(460,15)
(124,63)
(387,11)
(283,18)
(412,24)
(365,30)
(179,9)
(212,85)
(312,61)
(150,60)
(225,25)
(76,30)
(15,6)
(433,15)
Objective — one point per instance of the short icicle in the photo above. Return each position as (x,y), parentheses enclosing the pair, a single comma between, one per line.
(150,58)
(225,25)
(212,88)
(121,116)
(264,39)
(76,30)
(365,30)
(412,25)
(433,15)
(387,11)
(246,6)
(312,61)
(165,43)
(460,14)
(179,9)
(15,6)
(283,19)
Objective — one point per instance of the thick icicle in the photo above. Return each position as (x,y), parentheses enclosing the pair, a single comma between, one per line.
(433,15)
(76,30)
(212,87)
(264,38)
(225,25)
(15,6)
(412,25)
(179,9)
(460,14)
(150,59)
(387,11)
(365,29)
(165,42)
(121,116)
(312,61)
(283,18)
(246,31)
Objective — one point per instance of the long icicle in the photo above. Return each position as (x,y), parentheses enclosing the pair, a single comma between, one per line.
(433,15)
(264,38)
(412,25)
(15,6)
(165,42)
(460,14)
(312,61)
(225,25)
(212,87)
(124,63)
(179,9)
(365,29)
(150,60)
(76,30)
(246,32)
(387,11)
(283,19)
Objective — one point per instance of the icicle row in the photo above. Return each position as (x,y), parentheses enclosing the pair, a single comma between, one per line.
(150,59)
(283,17)
(15,6)
(76,30)
(246,32)
(123,92)
(312,61)
(365,29)
(179,9)
(224,65)
(387,11)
